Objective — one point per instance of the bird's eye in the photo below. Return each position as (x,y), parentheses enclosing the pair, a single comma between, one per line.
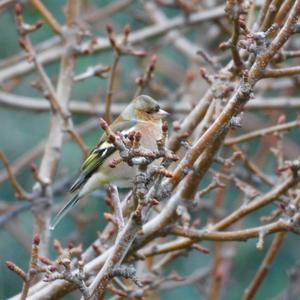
(153,110)
(157,108)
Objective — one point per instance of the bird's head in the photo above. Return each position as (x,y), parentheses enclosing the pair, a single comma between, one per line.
(143,108)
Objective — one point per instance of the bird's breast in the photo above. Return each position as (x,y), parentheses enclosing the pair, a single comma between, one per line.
(150,134)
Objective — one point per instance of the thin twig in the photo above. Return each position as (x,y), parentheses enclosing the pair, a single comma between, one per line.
(32,267)
(265,266)
(113,192)
(46,14)
(262,132)
(234,10)
(20,193)
(288,71)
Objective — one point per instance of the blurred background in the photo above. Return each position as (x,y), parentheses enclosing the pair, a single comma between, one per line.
(176,82)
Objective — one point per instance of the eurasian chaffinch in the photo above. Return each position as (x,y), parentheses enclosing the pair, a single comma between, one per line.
(143,114)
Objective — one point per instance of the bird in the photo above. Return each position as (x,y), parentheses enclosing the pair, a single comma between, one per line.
(143,114)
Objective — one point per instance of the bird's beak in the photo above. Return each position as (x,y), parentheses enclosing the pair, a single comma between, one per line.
(160,114)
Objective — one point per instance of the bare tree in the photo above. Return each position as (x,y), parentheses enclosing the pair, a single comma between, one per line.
(242,51)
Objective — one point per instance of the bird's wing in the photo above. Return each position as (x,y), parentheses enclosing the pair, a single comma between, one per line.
(91,164)
(99,154)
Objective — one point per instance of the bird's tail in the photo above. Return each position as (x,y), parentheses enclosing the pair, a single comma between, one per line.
(70,204)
